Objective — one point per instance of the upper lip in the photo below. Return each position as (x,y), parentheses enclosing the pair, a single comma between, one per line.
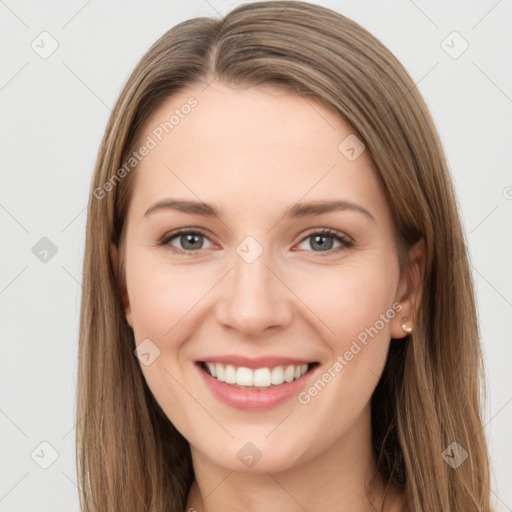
(255,362)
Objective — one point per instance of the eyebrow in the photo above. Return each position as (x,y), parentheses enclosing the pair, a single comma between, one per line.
(297,210)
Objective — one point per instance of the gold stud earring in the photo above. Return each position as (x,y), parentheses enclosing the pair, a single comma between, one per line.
(408,330)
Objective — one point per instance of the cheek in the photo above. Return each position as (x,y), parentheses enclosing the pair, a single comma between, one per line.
(163,295)
(163,300)
(356,302)
(348,298)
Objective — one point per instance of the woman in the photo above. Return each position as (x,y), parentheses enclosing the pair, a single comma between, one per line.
(318,348)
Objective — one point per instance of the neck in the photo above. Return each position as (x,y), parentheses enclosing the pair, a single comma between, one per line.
(332,480)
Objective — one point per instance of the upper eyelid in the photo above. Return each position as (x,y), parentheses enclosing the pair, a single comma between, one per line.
(328,231)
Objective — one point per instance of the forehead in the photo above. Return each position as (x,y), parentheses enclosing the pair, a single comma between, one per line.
(257,146)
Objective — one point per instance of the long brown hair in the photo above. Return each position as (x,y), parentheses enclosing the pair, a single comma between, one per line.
(129,455)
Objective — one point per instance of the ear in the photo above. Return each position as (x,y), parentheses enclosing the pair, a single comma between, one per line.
(410,290)
(114,254)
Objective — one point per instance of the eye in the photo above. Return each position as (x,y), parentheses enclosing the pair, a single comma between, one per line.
(322,239)
(190,240)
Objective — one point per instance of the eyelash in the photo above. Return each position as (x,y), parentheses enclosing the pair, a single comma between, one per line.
(345,241)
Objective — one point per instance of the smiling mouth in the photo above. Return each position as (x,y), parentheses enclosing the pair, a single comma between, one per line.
(259,378)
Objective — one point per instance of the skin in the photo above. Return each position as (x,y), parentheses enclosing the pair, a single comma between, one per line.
(252,152)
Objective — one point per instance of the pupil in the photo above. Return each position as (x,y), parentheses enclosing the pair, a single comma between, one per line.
(190,238)
(323,245)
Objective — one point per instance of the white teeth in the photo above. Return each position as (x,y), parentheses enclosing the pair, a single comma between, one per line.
(244,376)
(277,376)
(230,374)
(260,377)
(211,367)
(219,370)
(289,373)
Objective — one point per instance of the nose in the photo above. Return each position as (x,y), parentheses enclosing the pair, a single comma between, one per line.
(254,297)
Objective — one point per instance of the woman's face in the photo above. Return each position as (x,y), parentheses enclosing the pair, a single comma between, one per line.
(255,290)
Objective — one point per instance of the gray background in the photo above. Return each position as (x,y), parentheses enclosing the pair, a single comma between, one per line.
(54,111)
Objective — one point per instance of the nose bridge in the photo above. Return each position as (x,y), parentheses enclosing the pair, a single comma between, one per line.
(254,298)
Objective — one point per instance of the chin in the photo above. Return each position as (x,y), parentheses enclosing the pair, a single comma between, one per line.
(254,457)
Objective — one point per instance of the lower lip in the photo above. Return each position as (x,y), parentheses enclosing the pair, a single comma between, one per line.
(254,399)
